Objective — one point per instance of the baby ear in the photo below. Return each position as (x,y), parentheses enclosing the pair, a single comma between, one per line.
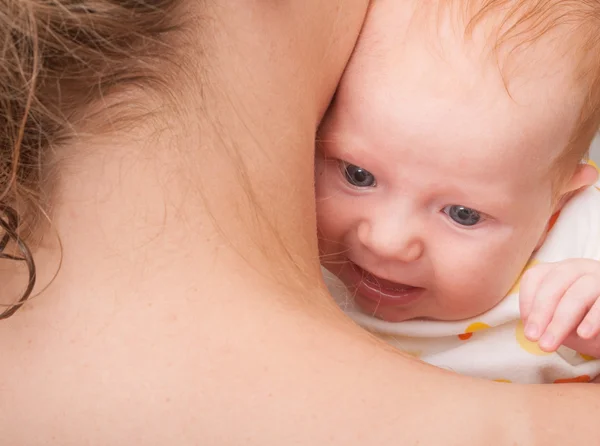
(584,176)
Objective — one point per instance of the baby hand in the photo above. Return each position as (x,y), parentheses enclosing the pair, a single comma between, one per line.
(560,305)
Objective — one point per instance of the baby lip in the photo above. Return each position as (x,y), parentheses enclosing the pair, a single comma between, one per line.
(382,284)
(373,293)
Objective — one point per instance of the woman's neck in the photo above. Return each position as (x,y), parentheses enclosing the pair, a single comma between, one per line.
(207,183)
(129,210)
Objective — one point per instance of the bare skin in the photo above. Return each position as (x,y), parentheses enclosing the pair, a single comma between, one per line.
(165,324)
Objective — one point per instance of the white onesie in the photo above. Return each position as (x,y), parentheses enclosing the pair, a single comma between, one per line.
(492,345)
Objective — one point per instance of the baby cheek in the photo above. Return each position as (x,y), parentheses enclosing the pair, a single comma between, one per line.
(327,207)
(335,208)
(327,179)
(471,282)
(333,217)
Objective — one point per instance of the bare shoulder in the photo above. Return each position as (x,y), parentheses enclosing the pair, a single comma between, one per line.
(160,371)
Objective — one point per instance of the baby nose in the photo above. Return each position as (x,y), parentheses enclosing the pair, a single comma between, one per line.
(399,242)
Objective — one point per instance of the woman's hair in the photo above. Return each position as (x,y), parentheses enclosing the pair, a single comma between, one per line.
(58,58)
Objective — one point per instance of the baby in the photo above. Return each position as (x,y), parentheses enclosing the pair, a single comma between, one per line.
(449,162)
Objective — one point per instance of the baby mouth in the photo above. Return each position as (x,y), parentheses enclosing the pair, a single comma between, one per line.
(385,285)
(383,290)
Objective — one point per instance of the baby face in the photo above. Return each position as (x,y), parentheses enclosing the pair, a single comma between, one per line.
(433,183)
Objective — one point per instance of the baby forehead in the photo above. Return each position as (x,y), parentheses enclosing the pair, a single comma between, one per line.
(416,55)
(497,31)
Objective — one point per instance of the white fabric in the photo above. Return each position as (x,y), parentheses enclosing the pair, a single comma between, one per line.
(497,349)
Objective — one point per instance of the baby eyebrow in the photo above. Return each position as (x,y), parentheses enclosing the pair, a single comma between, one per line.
(488,202)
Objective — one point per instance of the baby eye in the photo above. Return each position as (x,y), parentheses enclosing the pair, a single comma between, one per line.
(462,215)
(357,176)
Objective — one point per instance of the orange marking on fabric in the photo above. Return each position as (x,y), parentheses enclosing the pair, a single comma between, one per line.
(577,379)
(552,220)
(475,326)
